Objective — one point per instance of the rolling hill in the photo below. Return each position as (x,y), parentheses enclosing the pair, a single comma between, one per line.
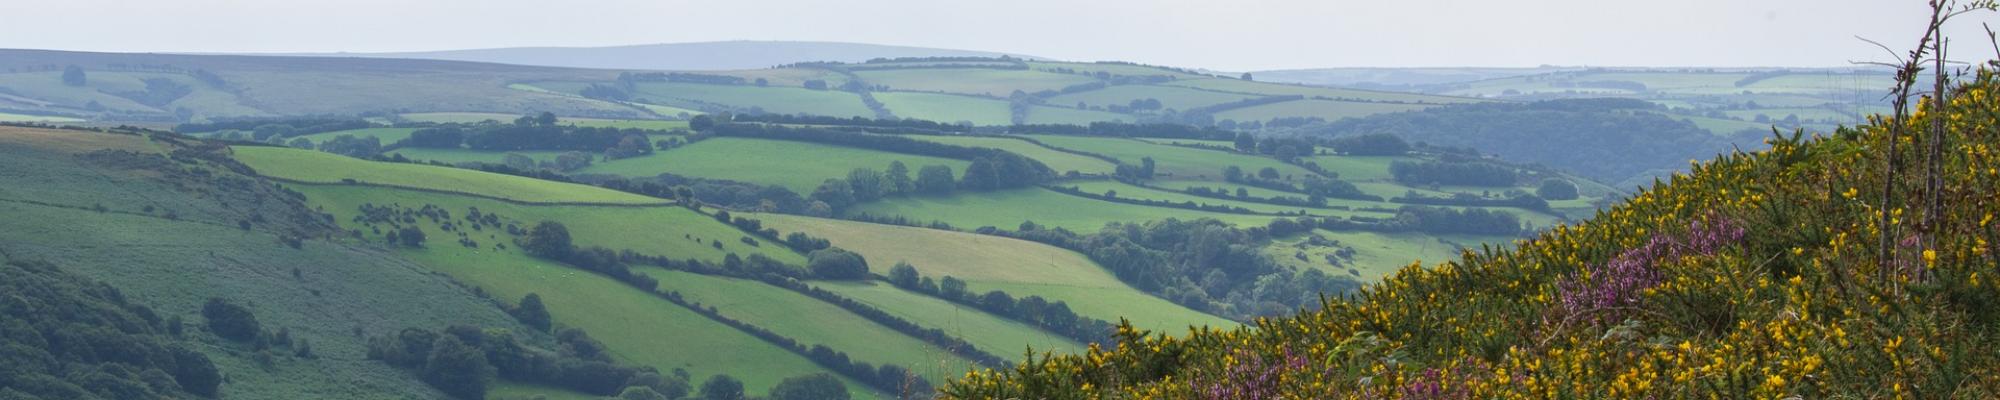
(697,56)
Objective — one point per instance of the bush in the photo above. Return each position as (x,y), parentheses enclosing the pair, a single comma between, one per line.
(531,312)
(457,369)
(1557,189)
(230,321)
(549,239)
(810,387)
(835,263)
(722,387)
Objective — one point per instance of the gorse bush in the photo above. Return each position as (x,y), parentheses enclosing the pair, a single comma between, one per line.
(1752,276)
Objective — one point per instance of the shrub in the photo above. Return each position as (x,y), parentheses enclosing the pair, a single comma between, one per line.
(230,321)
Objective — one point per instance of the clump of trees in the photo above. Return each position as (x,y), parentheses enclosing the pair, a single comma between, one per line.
(1424,173)
(1557,189)
(464,361)
(68,337)
(835,263)
(1374,144)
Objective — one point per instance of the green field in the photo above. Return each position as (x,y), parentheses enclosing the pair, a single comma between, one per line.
(811,321)
(1329,110)
(1359,168)
(798,166)
(477,117)
(1008,208)
(1376,254)
(1128,191)
(654,124)
(5,117)
(455,156)
(1071,116)
(638,327)
(387,135)
(1110,68)
(947,108)
(1177,98)
(459,117)
(661,231)
(1275,89)
(1020,267)
(1059,161)
(782,100)
(994,334)
(973,81)
(318,167)
(1172,161)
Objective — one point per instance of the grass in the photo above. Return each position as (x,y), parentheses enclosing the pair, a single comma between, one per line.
(1008,208)
(1129,191)
(1358,168)
(1020,267)
(982,82)
(1376,254)
(782,100)
(1059,161)
(637,327)
(1329,110)
(505,390)
(798,166)
(1071,116)
(811,322)
(6,117)
(654,124)
(1275,89)
(1178,98)
(992,333)
(455,156)
(323,291)
(1172,161)
(477,117)
(662,231)
(459,117)
(318,167)
(947,108)
(387,135)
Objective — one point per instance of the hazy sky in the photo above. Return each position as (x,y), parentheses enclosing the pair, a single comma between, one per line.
(1224,35)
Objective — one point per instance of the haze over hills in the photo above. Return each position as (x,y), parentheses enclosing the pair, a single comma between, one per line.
(696,56)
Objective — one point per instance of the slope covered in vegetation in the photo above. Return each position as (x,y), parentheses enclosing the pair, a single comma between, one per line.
(1806,270)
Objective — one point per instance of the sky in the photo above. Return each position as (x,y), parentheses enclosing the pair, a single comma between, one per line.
(1227,35)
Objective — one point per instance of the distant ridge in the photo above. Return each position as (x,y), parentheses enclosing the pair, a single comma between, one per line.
(728,55)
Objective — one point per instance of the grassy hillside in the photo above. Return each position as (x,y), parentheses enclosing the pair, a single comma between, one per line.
(387,135)
(1169,96)
(1019,267)
(947,108)
(1172,161)
(264,86)
(1060,162)
(661,231)
(317,167)
(1323,109)
(986,331)
(1763,275)
(812,322)
(171,238)
(1008,208)
(973,81)
(798,166)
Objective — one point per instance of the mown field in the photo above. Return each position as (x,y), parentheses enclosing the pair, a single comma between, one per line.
(1171,161)
(1021,268)
(812,322)
(318,167)
(992,333)
(798,166)
(1059,161)
(1008,208)
(973,81)
(660,231)
(1178,98)
(1324,109)
(947,108)
(387,135)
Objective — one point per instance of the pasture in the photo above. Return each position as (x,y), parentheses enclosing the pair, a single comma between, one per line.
(317,167)
(1330,110)
(1008,208)
(811,322)
(1178,98)
(386,135)
(947,108)
(798,166)
(1171,161)
(991,333)
(997,83)
(1071,116)
(782,100)
(7,117)
(456,156)
(673,232)
(1229,85)
(1059,161)
(1020,267)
